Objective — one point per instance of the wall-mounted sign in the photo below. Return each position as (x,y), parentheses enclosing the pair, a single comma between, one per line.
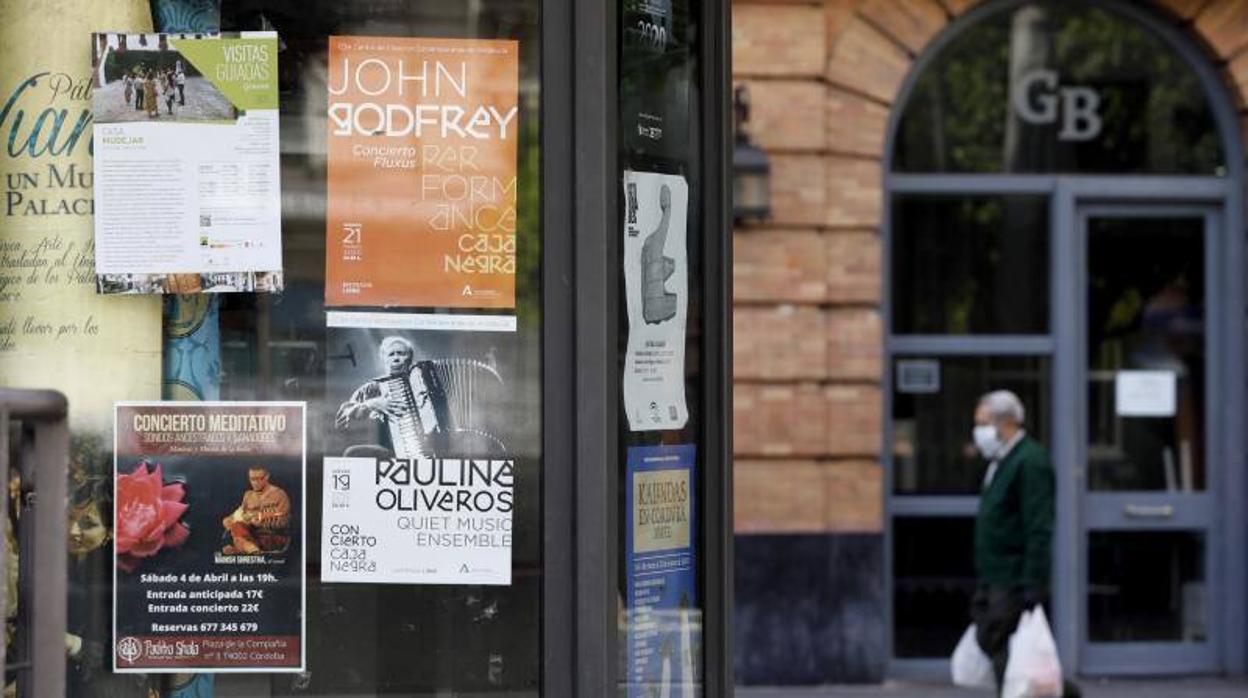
(918,376)
(656,283)
(209,537)
(423,137)
(661,568)
(188,198)
(419,482)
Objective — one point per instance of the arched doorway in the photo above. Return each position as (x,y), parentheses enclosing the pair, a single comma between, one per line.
(1063,218)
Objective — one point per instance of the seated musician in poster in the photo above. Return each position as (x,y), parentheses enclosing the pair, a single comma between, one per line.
(259,524)
(403,399)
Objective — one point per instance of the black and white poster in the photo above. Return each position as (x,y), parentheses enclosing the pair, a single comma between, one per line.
(656,281)
(419,476)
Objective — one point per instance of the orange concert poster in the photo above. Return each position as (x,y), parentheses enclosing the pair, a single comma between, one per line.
(422,172)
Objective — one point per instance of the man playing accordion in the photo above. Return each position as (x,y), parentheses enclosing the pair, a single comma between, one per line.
(402,399)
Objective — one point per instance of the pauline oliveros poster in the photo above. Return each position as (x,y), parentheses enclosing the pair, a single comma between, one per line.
(209,540)
(419,480)
(423,138)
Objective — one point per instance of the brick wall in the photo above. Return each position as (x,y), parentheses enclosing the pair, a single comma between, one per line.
(822,77)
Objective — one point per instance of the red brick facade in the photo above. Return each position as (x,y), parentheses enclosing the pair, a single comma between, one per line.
(823,76)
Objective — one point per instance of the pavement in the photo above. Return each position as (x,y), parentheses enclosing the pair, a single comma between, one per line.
(1092,688)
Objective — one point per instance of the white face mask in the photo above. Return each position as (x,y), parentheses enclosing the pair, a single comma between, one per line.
(986,440)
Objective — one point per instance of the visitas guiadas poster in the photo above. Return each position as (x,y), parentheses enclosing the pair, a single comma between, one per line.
(55,332)
(423,140)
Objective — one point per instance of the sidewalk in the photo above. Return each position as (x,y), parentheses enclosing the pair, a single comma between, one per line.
(1092,688)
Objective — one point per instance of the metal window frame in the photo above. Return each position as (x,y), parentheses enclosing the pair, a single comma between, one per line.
(579,126)
(1068,192)
(44,451)
(581,375)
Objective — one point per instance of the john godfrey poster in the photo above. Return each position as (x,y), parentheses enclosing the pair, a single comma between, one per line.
(209,539)
(422,172)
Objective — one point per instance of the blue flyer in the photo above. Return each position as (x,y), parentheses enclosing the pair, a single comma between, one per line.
(664,629)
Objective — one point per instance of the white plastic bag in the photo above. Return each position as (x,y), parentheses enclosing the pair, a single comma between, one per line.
(971,667)
(1034,670)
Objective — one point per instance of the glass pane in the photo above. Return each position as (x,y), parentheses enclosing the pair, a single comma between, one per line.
(660,247)
(970,264)
(934,400)
(1147,587)
(1058,87)
(361,639)
(1146,354)
(933,581)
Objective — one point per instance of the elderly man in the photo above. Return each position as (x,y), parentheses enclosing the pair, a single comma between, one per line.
(398,357)
(1014,527)
(260,523)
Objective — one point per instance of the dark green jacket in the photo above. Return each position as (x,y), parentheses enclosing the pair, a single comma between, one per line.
(1014,528)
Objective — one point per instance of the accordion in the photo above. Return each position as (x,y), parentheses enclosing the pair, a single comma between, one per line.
(444,409)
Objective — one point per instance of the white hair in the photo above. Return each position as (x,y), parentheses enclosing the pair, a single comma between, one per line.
(1003,404)
(385,344)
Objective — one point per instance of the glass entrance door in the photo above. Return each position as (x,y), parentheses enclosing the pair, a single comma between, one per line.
(1148,518)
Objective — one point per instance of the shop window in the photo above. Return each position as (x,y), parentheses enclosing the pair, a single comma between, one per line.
(970,264)
(933,402)
(1058,87)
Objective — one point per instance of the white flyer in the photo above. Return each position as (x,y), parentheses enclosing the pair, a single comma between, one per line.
(417,521)
(1145,393)
(656,281)
(187,171)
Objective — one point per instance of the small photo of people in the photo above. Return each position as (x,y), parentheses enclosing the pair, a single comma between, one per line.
(213,282)
(141,77)
(130,283)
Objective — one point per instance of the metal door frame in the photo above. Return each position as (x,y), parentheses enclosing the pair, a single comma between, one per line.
(581,378)
(1141,658)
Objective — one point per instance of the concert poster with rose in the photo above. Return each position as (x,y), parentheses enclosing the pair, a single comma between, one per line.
(209,543)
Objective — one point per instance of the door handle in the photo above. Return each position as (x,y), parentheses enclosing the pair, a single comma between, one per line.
(1141,511)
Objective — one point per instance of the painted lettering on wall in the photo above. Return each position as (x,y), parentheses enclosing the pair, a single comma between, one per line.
(47,116)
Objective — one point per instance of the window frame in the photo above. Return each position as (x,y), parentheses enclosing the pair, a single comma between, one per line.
(581,379)
(933,51)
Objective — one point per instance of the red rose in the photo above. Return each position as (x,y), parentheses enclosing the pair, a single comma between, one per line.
(147,515)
